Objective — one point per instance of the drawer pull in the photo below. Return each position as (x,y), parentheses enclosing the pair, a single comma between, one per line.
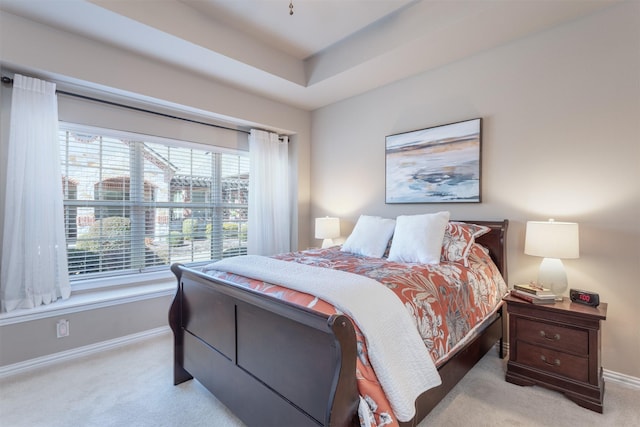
(556,362)
(544,335)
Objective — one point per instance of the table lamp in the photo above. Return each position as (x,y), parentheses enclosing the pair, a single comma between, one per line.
(327,228)
(553,241)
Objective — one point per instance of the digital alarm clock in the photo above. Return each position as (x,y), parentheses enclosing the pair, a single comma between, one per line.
(584,297)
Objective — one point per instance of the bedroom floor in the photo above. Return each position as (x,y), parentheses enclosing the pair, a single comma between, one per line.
(132,386)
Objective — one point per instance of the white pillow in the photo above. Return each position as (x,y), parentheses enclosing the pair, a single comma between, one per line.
(370,236)
(418,238)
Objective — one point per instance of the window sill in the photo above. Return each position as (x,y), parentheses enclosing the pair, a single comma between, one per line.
(90,296)
(122,281)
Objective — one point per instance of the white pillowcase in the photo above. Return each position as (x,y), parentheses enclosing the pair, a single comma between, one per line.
(370,236)
(418,238)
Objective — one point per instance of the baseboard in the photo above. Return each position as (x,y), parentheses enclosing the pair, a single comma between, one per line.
(75,353)
(616,377)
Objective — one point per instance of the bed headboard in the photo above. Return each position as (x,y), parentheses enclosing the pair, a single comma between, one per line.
(496,241)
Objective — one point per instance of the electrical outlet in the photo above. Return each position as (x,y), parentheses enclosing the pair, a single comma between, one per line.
(62,328)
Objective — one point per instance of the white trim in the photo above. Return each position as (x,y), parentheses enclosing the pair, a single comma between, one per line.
(623,379)
(104,283)
(91,301)
(75,353)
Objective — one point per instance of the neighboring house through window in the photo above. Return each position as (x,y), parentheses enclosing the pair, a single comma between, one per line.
(135,203)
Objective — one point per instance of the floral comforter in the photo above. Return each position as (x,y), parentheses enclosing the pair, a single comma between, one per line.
(447,301)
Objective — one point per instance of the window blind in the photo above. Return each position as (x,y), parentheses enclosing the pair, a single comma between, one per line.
(136,203)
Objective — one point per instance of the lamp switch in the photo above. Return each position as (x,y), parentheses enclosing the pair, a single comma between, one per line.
(62,328)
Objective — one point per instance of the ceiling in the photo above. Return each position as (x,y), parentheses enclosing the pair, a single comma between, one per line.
(328,50)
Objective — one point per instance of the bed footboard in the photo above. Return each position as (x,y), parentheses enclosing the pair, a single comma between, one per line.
(270,362)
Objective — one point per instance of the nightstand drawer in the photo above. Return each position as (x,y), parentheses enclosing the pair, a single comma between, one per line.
(556,362)
(555,336)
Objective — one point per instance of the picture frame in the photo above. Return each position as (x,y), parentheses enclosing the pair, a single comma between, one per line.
(439,164)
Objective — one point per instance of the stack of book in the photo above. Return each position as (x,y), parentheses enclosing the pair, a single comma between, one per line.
(533,293)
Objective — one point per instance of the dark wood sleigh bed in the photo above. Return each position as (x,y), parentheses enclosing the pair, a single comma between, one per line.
(274,363)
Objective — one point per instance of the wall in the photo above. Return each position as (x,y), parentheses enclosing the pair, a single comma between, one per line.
(48,53)
(561,126)
(26,343)
(76,62)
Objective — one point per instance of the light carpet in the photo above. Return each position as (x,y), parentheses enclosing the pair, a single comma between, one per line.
(133,386)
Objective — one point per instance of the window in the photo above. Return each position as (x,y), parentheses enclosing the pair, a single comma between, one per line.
(136,203)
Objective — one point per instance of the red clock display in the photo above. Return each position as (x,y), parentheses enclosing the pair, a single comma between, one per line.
(584,297)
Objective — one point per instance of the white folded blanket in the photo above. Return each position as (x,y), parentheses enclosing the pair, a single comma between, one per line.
(399,357)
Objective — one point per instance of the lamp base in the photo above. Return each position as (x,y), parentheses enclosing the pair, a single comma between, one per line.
(552,275)
(327,243)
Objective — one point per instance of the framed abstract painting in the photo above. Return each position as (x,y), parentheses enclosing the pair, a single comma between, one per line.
(440,164)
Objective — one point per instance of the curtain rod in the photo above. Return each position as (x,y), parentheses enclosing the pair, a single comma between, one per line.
(9,80)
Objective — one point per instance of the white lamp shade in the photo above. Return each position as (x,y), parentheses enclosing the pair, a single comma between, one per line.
(551,239)
(327,228)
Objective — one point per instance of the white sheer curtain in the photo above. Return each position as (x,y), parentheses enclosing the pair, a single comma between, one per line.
(34,254)
(269,212)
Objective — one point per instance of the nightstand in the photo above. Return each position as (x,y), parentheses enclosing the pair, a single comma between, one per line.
(557,346)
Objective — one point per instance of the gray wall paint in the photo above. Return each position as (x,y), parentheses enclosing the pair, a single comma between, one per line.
(77,62)
(37,338)
(561,126)
(561,122)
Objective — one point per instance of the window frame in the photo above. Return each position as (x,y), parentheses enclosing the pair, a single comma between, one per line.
(149,274)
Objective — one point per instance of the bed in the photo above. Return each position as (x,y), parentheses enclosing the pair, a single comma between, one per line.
(278,362)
